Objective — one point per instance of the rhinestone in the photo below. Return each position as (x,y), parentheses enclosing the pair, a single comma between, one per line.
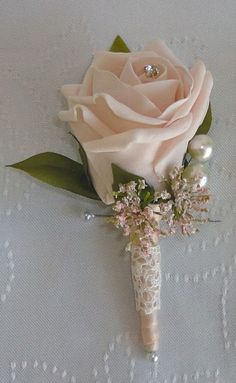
(151,71)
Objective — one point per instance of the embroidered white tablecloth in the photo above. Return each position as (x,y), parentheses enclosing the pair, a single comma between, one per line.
(66,298)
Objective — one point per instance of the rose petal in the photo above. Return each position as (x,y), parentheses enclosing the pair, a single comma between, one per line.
(83,132)
(91,120)
(68,115)
(186,80)
(99,170)
(123,140)
(71,114)
(111,112)
(183,107)
(70,90)
(162,49)
(111,61)
(128,75)
(119,116)
(161,93)
(87,85)
(201,105)
(82,114)
(124,150)
(171,153)
(107,82)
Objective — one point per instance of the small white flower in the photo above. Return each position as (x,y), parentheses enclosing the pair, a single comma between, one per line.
(141,184)
(165,195)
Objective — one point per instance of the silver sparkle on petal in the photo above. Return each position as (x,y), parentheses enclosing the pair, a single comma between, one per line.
(151,71)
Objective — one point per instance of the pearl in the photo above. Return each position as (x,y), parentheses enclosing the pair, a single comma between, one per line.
(201,148)
(151,71)
(196,171)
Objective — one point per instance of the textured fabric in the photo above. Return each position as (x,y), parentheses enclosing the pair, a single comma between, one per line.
(66,298)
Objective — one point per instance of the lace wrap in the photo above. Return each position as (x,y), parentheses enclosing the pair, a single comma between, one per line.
(146,278)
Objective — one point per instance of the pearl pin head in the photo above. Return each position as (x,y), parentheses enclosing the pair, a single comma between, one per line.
(153,356)
(88,216)
(151,71)
(201,148)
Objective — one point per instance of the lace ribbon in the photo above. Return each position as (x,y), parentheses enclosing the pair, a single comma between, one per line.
(146,278)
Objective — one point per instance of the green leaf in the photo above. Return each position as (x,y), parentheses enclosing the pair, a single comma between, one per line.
(58,171)
(121,176)
(205,127)
(84,159)
(186,160)
(147,198)
(119,45)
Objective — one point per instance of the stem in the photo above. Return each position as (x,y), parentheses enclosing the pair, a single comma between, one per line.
(206,220)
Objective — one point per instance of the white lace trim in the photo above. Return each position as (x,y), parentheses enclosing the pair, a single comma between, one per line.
(146,276)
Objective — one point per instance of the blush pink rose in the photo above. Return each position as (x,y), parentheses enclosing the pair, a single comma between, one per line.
(141,124)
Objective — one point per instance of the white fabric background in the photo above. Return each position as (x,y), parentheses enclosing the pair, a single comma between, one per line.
(67,310)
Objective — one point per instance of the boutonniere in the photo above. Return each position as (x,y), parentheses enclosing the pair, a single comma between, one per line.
(141,121)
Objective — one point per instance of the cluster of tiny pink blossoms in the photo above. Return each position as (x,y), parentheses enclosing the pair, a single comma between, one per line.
(141,224)
(174,207)
(188,198)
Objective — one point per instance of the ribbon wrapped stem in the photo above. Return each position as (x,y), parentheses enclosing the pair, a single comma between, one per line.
(146,277)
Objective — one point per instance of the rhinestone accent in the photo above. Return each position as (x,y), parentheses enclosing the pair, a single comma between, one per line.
(151,71)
